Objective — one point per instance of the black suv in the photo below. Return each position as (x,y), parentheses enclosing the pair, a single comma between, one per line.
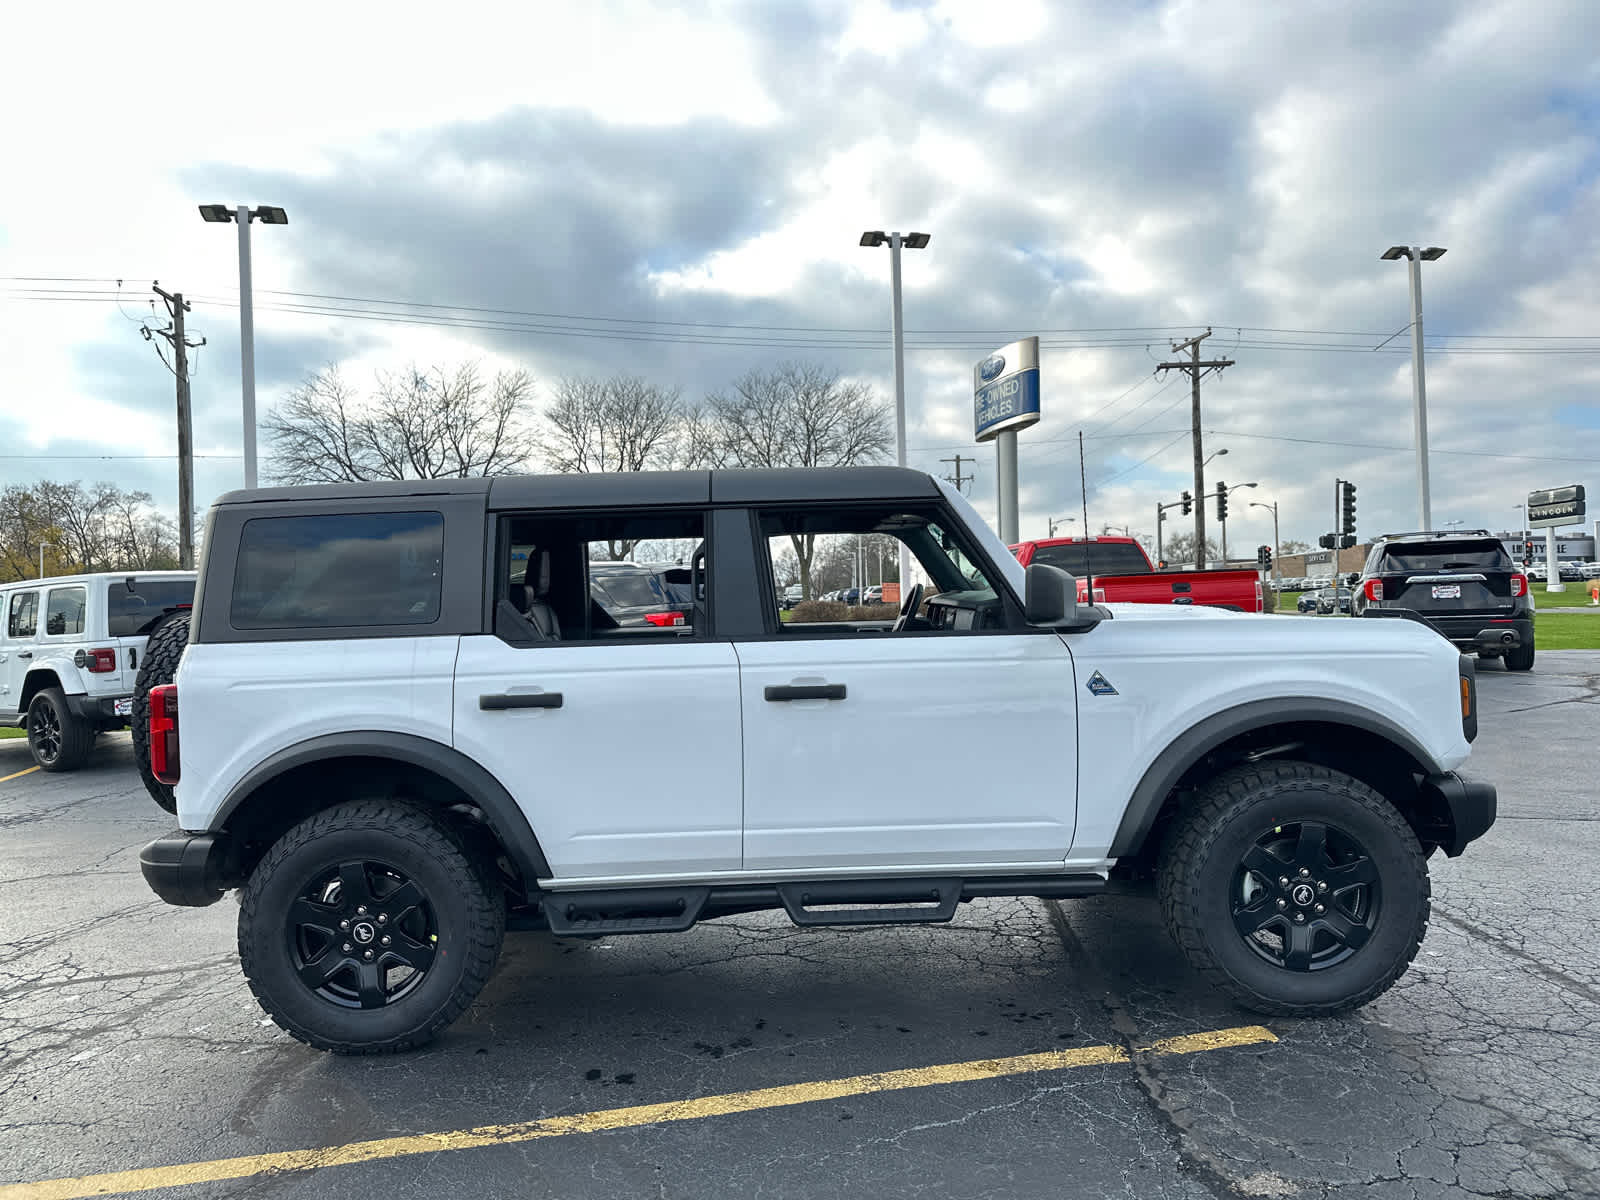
(1464,584)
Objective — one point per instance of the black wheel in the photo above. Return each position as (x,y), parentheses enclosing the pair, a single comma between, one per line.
(159,665)
(59,740)
(368,928)
(1295,889)
(1521,659)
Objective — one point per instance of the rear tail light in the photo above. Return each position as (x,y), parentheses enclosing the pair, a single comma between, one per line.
(665,620)
(97,662)
(164,733)
(1261,600)
(1519,586)
(1374,589)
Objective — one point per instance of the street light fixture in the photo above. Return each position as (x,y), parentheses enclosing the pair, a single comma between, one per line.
(221,214)
(1054,521)
(914,241)
(1215,454)
(1416,256)
(1276,547)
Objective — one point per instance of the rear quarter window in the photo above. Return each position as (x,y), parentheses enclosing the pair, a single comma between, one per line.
(339,571)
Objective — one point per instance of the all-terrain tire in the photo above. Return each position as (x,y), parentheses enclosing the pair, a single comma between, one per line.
(466,921)
(163,651)
(1201,877)
(58,740)
(1520,659)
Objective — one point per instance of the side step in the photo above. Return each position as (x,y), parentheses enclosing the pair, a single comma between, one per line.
(878,902)
(636,910)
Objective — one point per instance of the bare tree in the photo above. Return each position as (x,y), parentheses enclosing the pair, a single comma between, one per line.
(617,424)
(435,424)
(795,415)
(98,528)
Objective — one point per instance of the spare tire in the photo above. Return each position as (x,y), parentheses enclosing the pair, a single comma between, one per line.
(158,665)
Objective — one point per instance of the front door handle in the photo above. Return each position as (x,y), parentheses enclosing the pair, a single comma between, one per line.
(507,700)
(24,653)
(806,691)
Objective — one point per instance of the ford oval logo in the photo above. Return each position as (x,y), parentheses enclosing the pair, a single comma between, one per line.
(990,367)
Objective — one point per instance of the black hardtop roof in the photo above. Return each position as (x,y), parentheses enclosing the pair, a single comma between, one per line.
(628,488)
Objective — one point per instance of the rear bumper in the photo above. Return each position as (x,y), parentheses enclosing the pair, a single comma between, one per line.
(186,868)
(99,709)
(1464,810)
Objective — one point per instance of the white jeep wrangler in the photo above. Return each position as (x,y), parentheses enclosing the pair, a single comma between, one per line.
(69,654)
(400,703)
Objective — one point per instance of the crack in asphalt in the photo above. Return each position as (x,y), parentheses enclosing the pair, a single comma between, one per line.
(1550,974)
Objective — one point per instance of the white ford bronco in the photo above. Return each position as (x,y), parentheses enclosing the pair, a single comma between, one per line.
(69,654)
(402,706)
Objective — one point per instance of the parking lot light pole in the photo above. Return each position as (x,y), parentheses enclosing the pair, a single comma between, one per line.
(1416,256)
(1276,548)
(912,241)
(42,545)
(242,216)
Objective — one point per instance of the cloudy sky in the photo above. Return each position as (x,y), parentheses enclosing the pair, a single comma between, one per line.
(676,191)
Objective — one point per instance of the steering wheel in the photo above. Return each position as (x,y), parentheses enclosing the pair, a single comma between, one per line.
(908,607)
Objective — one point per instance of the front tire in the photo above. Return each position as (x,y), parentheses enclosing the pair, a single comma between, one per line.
(1295,889)
(58,740)
(368,928)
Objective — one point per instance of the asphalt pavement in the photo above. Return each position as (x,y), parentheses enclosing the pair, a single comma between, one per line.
(1029,1049)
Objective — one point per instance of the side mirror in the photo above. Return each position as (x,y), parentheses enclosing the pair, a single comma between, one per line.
(1050,596)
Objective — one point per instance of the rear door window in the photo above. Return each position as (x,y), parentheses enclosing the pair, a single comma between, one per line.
(339,571)
(22,619)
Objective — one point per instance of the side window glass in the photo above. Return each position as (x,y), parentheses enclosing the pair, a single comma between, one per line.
(339,571)
(602,578)
(63,611)
(23,621)
(836,573)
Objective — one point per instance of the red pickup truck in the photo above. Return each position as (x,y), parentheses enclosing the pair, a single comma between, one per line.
(1123,575)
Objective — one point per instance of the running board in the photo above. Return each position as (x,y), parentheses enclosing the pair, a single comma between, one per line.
(871,902)
(809,903)
(633,910)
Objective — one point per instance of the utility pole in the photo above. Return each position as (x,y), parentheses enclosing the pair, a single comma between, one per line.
(958,479)
(176,307)
(1196,370)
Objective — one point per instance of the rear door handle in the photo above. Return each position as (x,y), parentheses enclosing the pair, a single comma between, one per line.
(24,653)
(507,700)
(806,691)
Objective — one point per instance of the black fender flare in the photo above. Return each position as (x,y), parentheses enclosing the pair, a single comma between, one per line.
(1201,739)
(503,814)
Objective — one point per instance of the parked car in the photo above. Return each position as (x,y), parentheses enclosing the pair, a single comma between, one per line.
(390,785)
(1331,600)
(873,595)
(1124,574)
(1571,571)
(634,594)
(69,654)
(1307,603)
(1462,582)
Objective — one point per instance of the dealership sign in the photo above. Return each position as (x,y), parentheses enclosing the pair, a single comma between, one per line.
(1555,507)
(1005,390)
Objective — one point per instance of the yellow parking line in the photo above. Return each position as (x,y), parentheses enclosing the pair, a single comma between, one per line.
(152,1178)
(18,775)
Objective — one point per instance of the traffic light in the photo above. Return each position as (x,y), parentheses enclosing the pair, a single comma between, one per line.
(1326,541)
(1222,501)
(1188,503)
(1263,558)
(1347,508)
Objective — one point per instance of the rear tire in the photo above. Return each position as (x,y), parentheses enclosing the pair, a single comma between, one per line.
(1520,659)
(59,741)
(317,916)
(163,651)
(1295,889)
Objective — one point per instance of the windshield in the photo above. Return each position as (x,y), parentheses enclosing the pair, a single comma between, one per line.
(630,590)
(1483,555)
(1107,558)
(131,612)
